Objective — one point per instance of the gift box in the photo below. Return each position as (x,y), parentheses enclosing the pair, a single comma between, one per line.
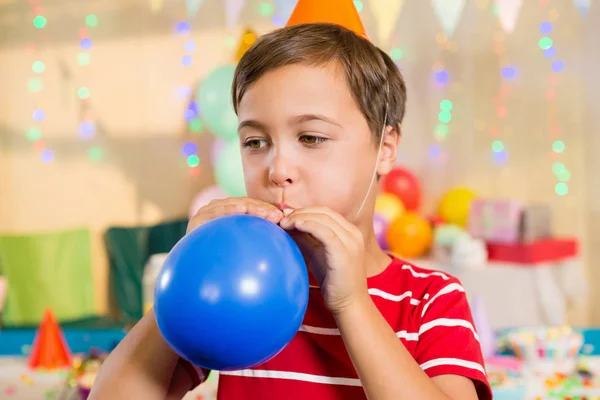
(536,223)
(496,220)
(532,253)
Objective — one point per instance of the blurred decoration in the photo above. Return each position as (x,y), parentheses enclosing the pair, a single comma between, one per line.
(487,336)
(207,195)
(217,147)
(405,185)
(380,226)
(340,12)
(389,206)
(233,10)
(247,40)
(387,13)
(448,13)
(214,99)
(583,6)
(455,248)
(508,13)
(283,9)
(156,5)
(455,205)
(409,236)
(192,7)
(229,173)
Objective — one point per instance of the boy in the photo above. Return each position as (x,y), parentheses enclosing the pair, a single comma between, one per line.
(319,108)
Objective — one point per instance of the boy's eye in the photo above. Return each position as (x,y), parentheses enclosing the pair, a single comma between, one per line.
(255,143)
(312,140)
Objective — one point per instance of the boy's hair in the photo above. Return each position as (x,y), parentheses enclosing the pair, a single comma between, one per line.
(374,80)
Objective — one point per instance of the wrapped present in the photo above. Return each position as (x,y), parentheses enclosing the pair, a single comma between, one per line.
(496,220)
(536,223)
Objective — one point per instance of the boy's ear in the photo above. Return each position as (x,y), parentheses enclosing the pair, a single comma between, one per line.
(389,150)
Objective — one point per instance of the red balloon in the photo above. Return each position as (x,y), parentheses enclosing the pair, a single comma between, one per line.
(405,185)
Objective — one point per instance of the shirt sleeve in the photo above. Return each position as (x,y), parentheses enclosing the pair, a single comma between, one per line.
(448,343)
(198,375)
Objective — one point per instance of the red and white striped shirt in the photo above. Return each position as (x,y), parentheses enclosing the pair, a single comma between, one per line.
(429,312)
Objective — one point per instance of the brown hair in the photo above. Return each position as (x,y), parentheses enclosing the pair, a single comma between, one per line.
(374,80)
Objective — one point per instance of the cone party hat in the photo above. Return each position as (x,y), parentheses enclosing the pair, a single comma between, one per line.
(340,12)
(49,350)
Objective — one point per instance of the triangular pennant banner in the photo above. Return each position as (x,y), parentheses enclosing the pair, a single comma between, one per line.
(508,12)
(341,12)
(583,6)
(192,7)
(246,42)
(448,13)
(233,9)
(387,13)
(284,8)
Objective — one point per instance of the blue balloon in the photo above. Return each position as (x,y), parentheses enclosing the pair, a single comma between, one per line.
(232,293)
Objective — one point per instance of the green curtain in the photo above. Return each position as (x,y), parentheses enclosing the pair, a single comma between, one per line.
(47,270)
(129,248)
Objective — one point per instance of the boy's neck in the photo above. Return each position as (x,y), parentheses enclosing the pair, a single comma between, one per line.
(376,259)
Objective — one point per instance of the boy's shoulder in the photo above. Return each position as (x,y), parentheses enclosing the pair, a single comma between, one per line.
(408,276)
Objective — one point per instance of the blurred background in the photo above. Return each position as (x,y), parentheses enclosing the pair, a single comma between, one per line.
(113,127)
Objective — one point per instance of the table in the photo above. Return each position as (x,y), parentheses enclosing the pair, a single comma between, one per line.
(517,295)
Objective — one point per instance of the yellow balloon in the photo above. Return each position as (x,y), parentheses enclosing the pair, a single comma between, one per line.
(389,206)
(455,205)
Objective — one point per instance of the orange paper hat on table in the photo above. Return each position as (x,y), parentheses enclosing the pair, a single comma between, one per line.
(340,12)
(49,350)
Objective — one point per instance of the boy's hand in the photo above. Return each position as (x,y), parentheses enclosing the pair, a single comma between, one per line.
(235,205)
(334,249)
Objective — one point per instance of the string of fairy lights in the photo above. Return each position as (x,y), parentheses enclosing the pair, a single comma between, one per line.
(558,147)
(35,86)
(278,11)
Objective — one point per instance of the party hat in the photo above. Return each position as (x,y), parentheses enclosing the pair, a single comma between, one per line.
(340,12)
(49,349)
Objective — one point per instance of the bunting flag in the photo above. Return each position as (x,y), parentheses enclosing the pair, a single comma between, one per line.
(387,13)
(192,7)
(583,6)
(156,5)
(233,9)
(284,8)
(448,13)
(508,12)
(341,12)
(248,39)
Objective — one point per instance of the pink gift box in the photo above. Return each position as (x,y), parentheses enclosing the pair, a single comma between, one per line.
(495,220)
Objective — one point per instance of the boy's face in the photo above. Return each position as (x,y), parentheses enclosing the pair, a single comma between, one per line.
(306,143)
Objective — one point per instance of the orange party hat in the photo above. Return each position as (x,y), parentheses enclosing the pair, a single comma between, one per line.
(340,12)
(246,42)
(49,350)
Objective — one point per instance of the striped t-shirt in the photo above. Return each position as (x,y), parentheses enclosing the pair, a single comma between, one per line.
(428,311)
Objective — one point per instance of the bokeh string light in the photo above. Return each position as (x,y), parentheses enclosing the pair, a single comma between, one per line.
(441,80)
(35,86)
(557,145)
(86,126)
(508,72)
(191,114)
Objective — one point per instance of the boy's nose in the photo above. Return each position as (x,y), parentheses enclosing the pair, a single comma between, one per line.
(281,172)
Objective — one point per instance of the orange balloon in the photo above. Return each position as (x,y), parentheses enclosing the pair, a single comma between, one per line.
(340,12)
(410,235)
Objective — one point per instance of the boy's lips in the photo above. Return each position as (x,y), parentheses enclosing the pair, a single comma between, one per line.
(283,206)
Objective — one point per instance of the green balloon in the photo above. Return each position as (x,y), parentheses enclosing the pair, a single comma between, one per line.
(229,172)
(216,107)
